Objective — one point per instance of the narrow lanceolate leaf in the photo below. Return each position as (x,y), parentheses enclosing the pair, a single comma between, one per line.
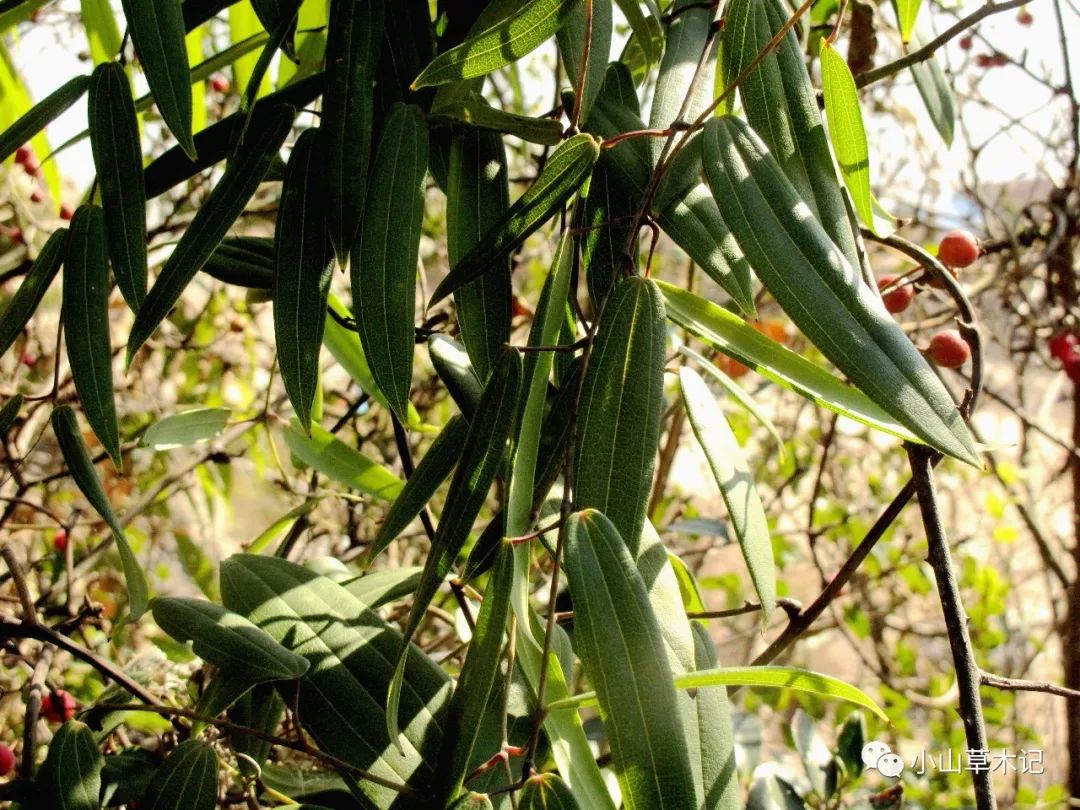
(608,215)
(907,11)
(478,681)
(277,41)
(562,175)
(213,220)
(384,258)
(847,130)
(77,457)
(272,13)
(40,115)
(719,776)
(485,450)
(433,469)
(70,778)
(936,92)
(187,428)
(822,293)
(114,139)
(9,413)
(86,321)
(321,451)
(456,372)
(228,640)
(736,484)
(572,39)
(157,32)
(352,59)
(620,644)
(526,28)
(303,266)
(621,402)
(546,791)
(477,195)
(474,110)
(187,780)
(102,32)
(33,288)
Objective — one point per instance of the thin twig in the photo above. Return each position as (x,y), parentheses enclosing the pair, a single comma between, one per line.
(1020,685)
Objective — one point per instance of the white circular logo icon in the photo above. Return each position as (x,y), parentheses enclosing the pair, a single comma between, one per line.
(872,752)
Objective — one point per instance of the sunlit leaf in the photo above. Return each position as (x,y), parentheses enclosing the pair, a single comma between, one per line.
(323,452)
(187,428)
(846,129)
(70,778)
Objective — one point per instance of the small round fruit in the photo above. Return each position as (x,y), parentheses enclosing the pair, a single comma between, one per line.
(1072,368)
(899,297)
(23,154)
(966,43)
(948,350)
(985,60)
(29,360)
(219,83)
(58,706)
(1063,345)
(958,249)
(66,212)
(36,196)
(16,236)
(60,541)
(1025,17)
(7,760)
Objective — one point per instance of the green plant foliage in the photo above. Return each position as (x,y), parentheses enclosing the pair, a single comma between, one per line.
(71,775)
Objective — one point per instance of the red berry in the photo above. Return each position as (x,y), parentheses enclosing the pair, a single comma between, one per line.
(29,360)
(958,249)
(1024,17)
(7,760)
(1072,368)
(36,196)
(23,154)
(58,706)
(899,297)
(985,60)
(16,235)
(966,43)
(60,541)
(66,212)
(1063,345)
(948,350)
(219,83)
(32,167)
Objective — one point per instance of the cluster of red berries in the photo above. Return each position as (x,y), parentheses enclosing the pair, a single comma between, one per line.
(25,157)
(956,249)
(1065,348)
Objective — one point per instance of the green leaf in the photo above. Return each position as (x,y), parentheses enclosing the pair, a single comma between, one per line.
(102,32)
(352,58)
(9,413)
(22,305)
(126,774)
(719,775)
(478,194)
(384,259)
(197,565)
(823,294)
(936,92)
(621,402)
(114,139)
(187,428)
(70,778)
(187,780)
(452,364)
(212,221)
(907,11)
(546,791)
(736,484)
(571,38)
(157,32)
(40,115)
(323,452)
(77,458)
(620,644)
(302,271)
(86,318)
(474,110)
(227,640)
(472,801)
(526,28)
(379,588)
(433,469)
(282,31)
(341,699)
(646,41)
(846,129)
(562,175)
(607,215)
(261,708)
(484,454)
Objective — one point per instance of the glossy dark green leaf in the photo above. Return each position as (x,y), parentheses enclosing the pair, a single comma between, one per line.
(846,129)
(273,13)
(824,295)
(433,469)
(621,646)
(572,38)
(475,111)
(383,264)
(736,484)
(352,57)
(114,139)
(69,438)
(280,35)
(936,92)
(126,774)
(472,800)
(562,175)
(261,708)
(546,791)
(621,402)
(606,214)
(484,453)
(341,699)
(70,778)
(478,194)
(213,220)
(86,321)
(526,28)
(9,413)
(196,12)
(187,780)
(25,301)
(227,640)
(320,450)
(302,272)
(456,372)
(157,32)
(40,115)
(408,44)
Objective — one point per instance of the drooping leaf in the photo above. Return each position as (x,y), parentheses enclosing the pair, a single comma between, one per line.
(40,115)
(719,776)
(66,428)
(408,44)
(620,644)
(212,221)
(157,31)
(846,129)
(114,140)
(562,175)
(456,372)
(823,294)
(187,428)
(280,35)
(102,32)
(86,318)
(22,305)
(646,42)
(303,267)
(70,778)
(527,27)
(383,264)
(936,92)
(572,38)
(606,215)
(546,791)
(736,484)
(475,111)
(907,11)
(429,474)
(621,401)
(320,450)
(187,780)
